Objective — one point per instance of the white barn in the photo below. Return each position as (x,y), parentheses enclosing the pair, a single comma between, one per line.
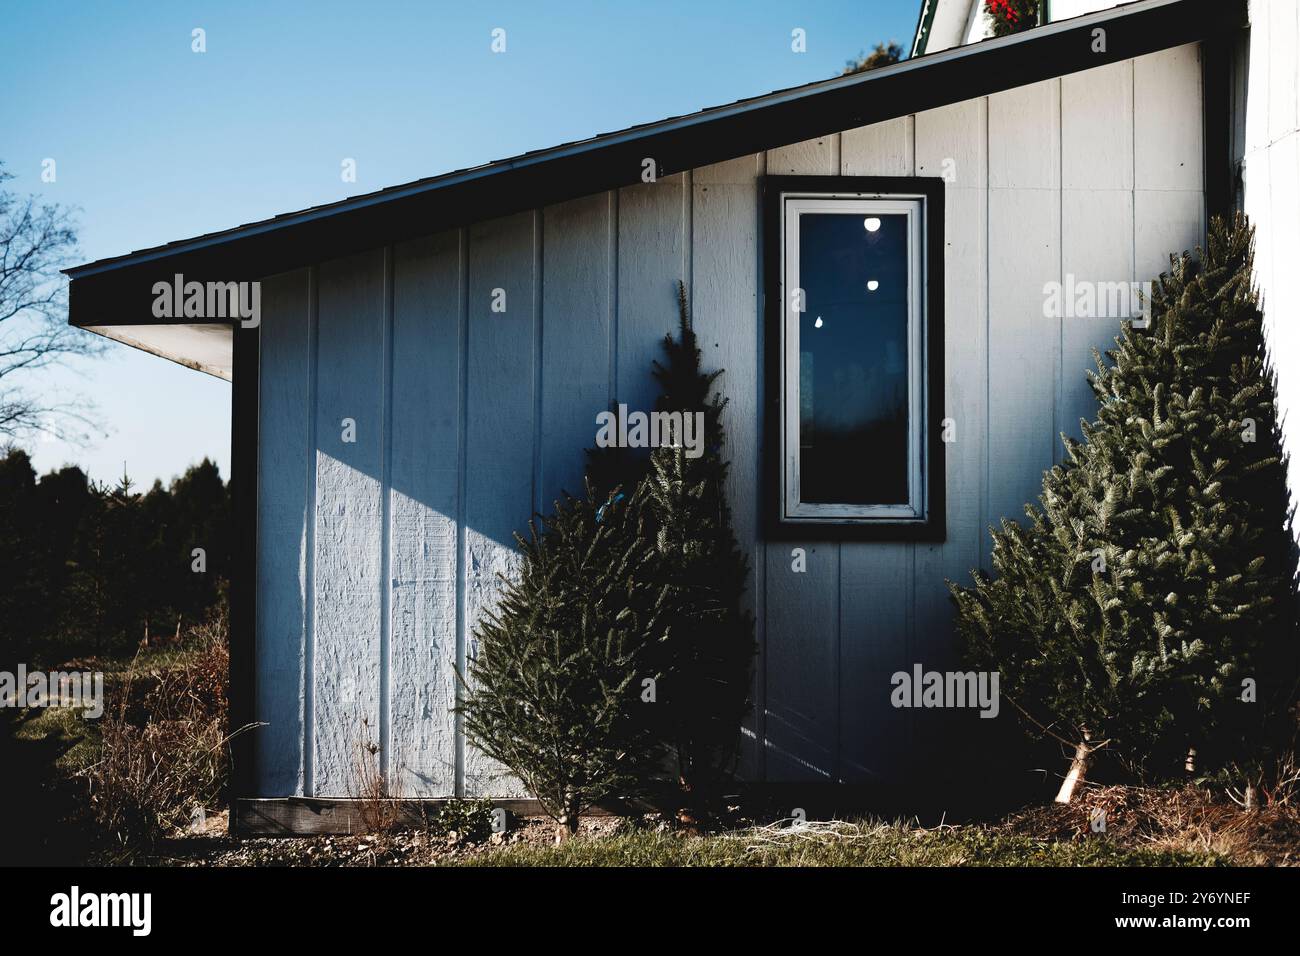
(990,170)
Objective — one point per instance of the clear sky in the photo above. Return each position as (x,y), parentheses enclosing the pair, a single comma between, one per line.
(154,142)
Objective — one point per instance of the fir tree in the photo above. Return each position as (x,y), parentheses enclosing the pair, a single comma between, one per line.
(708,646)
(555,688)
(1148,607)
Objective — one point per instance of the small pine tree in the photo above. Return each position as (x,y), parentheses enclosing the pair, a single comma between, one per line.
(554,689)
(1149,606)
(709,643)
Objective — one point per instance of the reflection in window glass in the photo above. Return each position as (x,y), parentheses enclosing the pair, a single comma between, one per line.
(853,361)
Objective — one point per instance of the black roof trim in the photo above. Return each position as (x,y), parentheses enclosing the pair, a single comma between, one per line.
(118,290)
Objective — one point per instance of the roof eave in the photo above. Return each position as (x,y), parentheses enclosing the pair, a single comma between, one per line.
(118,291)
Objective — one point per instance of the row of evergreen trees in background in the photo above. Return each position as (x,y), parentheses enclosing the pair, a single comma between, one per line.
(91,569)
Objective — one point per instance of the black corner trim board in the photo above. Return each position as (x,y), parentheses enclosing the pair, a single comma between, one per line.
(1216,102)
(932,527)
(246,393)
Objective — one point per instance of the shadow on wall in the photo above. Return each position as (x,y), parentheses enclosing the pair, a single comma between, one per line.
(408,430)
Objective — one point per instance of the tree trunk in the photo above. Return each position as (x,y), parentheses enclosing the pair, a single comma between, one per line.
(566,825)
(1078,771)
(686,814)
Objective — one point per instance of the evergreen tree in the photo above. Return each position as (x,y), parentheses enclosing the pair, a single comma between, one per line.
(554,689)
(882,55)
(708,648)
(24,593)
(107,572)
(1149,606)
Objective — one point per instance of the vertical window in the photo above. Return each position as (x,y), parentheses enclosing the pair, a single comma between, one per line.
(855,329)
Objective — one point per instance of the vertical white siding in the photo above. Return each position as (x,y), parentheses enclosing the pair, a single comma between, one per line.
(284,515)
(424,474)
(1024,346)
(576,322)
(349,591)
(966,404)
(876,580)
(1268,149)
(724,285)
(1168,157)
(652,258)
(802,608)
(503,366)
(378,558)
(1097,234)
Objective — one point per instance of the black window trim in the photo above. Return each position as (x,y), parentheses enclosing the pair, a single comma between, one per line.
(933,526)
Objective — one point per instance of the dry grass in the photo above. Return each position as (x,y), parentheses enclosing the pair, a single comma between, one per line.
(369,786)
(610,842)
(163,744)
(1186,819)
(1144,828)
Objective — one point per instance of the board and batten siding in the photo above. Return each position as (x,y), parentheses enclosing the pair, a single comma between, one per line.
(377,556)
(1266,145)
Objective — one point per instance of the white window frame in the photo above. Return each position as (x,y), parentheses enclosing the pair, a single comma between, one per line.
(794,205)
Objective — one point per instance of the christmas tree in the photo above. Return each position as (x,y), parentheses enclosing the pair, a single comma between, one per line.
(565,658)
(623,639)
(708,646)
(1148,607)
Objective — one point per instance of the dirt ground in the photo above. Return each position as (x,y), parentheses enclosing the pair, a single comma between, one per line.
(210,845)
(1188,818)
(1184,820)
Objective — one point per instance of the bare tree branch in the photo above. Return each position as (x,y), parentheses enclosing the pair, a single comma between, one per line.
(37,240)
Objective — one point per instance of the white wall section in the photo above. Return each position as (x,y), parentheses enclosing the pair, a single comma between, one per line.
(377,557)
(1267,147)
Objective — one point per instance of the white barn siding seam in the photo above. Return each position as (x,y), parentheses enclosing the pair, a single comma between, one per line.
(469,419)
(385,735)
(309,560)
(462,481)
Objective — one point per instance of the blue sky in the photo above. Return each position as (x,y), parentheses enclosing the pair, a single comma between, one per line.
(154,142)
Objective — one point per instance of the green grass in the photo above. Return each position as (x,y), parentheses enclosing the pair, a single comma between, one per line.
(76,739)
(65,732)
(842,844)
